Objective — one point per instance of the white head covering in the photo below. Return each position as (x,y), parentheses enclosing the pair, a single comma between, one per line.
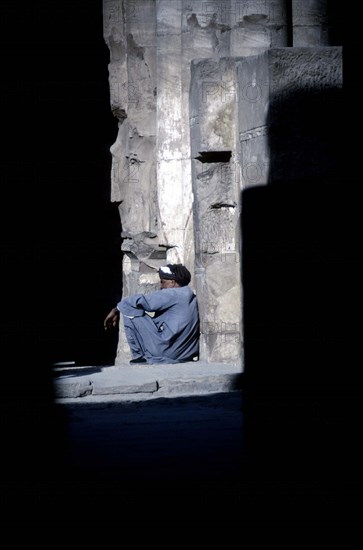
(166,273)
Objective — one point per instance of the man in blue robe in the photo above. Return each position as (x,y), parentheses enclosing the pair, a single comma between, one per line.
(171,333)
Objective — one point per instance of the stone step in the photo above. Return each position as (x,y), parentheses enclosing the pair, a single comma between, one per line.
(139,382)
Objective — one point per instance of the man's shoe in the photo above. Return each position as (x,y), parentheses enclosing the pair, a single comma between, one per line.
(138,360)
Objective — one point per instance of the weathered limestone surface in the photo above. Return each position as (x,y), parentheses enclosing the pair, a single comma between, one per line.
(310,23)
(304,110)
(286,131)
(199,89)
(213,109)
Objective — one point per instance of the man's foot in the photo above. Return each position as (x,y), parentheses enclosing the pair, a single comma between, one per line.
(138,360)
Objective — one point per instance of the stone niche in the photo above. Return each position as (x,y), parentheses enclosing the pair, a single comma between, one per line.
(197,89)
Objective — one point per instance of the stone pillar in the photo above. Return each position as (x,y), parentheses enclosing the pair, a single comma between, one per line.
(191,82)
(253,86)
(172,155)
(129,32)
(216,188)
(287,134)
(258,24)
(310,23)
(216,103)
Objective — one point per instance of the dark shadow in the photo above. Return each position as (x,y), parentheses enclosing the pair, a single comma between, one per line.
(63,243)
(71,372)
(60,234)
(303,301)
(131,463)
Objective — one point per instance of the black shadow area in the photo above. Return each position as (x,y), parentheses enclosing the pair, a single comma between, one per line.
(128,464)
(303,298)
(60,234)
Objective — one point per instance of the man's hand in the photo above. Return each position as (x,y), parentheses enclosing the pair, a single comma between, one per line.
(112,319)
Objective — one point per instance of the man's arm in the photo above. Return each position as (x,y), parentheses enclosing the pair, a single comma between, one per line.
(138,304)
(112,319)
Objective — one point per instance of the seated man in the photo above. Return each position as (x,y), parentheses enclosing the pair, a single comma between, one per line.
(171,335)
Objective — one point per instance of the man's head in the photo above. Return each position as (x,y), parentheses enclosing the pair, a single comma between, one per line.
(174,275)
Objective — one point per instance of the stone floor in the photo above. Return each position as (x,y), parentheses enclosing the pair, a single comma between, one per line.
(282,456)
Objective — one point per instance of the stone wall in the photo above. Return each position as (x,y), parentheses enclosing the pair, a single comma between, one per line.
(191,86)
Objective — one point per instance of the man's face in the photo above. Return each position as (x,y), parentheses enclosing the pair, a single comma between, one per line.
(167,283)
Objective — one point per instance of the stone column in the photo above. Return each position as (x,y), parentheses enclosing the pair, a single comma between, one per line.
(172,154)
(191,83)
(287,132)
(310,23)
(221,108)
(129,32)
(213,111)
(258,24)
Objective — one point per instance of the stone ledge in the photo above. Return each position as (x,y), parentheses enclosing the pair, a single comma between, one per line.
(146,381)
